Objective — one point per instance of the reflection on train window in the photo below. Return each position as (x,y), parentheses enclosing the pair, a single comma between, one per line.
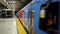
(49,24)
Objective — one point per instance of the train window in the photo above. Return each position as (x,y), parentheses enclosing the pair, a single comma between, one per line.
(6,13)
(49,24)
(9,14)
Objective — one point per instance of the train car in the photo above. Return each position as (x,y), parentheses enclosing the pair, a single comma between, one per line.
(47,23)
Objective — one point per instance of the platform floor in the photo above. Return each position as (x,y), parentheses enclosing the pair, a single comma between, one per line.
(8,26)
(11,26)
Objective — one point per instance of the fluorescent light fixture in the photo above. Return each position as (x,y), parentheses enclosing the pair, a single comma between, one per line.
(12,1)
(4,0)
(6,9)
(7,2)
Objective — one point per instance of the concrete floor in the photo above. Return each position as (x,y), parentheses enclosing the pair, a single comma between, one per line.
(8,26)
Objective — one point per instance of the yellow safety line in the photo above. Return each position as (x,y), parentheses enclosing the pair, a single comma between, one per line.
(21,30)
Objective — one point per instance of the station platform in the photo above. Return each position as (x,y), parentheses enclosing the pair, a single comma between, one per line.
(8,26)
(11,26)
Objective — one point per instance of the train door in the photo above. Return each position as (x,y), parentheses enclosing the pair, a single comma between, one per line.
(31,21)
(49,23)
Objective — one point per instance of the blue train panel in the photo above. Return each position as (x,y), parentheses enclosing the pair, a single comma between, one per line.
(41,25)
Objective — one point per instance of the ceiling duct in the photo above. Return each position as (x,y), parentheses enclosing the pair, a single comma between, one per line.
(5,3)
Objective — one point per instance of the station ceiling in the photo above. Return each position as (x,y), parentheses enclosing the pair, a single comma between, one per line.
(16,5)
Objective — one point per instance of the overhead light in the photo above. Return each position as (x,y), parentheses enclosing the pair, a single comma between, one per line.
(13,10)
(6,9)
(12,1)
(4,0)
(7,2)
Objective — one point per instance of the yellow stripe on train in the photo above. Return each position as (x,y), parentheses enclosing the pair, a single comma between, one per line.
(21,30)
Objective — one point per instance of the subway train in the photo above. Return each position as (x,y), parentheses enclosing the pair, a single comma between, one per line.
(49,23)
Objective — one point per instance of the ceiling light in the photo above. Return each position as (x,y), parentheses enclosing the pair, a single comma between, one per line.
(4,0)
